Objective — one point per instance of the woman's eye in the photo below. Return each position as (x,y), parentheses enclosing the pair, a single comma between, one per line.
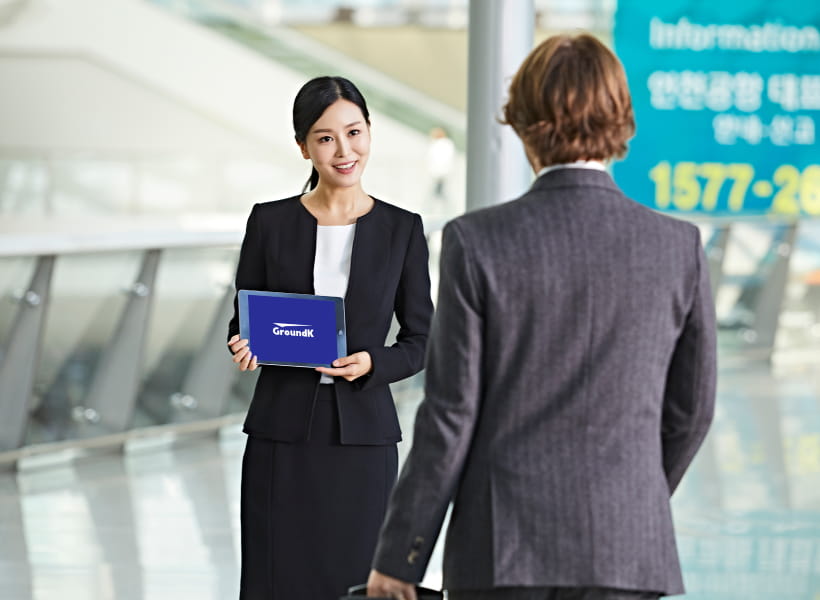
(354,132)
(325,138)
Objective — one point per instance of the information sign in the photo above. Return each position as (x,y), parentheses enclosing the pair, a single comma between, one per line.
(727,105)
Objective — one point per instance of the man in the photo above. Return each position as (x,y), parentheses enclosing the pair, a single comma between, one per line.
(570,370)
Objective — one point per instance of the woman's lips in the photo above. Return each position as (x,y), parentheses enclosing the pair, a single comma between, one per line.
(346,168)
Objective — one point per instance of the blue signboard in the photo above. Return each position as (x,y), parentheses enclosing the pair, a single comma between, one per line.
(727,105)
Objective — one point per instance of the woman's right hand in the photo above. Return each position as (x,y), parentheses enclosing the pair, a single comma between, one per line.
(242,354)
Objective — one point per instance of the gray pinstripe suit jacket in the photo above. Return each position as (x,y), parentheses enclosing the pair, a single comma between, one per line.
(570,381)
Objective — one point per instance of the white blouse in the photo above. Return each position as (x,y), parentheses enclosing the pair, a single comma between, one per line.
(331,267)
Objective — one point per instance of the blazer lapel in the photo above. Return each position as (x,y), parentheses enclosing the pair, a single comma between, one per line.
(295,252)
(368,262)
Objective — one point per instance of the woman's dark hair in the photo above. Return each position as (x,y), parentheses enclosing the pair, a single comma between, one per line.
(313,99)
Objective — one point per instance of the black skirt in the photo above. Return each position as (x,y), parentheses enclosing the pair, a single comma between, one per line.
(311,511)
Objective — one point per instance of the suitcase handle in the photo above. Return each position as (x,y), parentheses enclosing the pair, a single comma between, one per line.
(423,593)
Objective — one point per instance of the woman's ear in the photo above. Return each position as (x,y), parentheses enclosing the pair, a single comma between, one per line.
(303,148)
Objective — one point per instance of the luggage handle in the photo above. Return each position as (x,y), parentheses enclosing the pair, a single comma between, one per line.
(423,593)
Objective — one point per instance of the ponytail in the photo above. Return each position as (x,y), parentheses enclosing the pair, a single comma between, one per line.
(312,181)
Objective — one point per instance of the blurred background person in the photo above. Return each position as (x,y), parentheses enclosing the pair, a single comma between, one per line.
(440,157)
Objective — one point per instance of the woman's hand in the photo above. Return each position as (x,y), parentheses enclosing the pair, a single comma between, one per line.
(242,354)
(350,367)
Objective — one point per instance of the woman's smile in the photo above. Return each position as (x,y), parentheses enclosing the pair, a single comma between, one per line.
(346,168)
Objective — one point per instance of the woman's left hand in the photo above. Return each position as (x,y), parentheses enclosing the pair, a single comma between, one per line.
(350,367)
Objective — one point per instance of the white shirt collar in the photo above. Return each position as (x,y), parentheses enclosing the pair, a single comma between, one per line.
(596,165)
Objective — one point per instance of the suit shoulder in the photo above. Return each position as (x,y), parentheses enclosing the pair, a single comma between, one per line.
(479,221)
(396,213)
(275,207)
(664,221)
(399,221)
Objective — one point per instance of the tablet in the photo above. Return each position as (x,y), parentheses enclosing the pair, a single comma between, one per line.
(294,330)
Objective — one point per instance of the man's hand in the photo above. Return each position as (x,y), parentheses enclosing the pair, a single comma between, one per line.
(383,586)
(350,367)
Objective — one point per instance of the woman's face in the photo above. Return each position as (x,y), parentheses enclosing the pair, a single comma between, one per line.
(338,144)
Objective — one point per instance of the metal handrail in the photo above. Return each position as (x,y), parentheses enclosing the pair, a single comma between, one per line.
(21,237)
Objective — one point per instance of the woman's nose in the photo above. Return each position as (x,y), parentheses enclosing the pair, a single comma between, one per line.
(342,147)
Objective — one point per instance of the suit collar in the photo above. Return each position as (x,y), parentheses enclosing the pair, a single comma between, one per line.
(572,177)
(306,214)
(596,165)
(369,257)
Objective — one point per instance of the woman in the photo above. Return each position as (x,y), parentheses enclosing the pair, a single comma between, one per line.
(321,457)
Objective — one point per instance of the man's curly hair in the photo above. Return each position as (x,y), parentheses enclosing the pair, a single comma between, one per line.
(570,101)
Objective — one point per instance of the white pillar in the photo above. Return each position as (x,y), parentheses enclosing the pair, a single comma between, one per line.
(501,34)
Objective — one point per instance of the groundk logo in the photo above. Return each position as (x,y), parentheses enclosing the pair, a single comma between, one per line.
(293,329)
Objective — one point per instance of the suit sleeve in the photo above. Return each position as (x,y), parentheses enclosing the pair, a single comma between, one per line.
(250,271)
(444,423)
(414,309)
(689,399)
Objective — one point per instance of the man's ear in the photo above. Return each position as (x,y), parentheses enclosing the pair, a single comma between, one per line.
(303,148)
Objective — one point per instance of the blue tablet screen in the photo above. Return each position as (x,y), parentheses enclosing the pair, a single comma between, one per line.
(288,329)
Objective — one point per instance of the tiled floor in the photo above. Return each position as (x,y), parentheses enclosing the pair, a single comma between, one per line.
(161,521)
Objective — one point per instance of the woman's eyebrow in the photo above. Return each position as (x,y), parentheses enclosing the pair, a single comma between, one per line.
(331,131)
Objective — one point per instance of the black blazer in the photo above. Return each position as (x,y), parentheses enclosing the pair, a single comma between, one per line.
(388,273)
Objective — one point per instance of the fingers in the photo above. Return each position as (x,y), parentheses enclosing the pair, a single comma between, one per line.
(236,344)
(248,362)
(378,585)
(349,371)
(403,591)
(350,367)
(242,354)
(346,365)
(243,357)
(384,586)
(359,360)
(346,360)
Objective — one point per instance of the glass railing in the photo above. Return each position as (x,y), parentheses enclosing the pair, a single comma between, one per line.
(109,333)
(105,330)
(144,313)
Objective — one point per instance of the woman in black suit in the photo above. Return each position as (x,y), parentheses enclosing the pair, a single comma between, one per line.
(321,457)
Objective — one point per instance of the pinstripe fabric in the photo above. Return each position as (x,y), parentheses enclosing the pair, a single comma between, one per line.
(521,593)
(570,380)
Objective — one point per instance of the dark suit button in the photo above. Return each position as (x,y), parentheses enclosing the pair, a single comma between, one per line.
(411,558)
